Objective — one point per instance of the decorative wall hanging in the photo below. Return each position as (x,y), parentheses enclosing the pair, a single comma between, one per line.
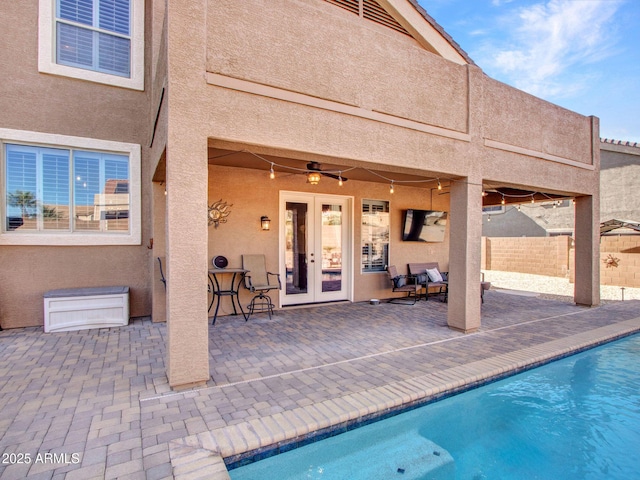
(218,213)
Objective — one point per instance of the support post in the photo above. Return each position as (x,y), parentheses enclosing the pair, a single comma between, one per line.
(465,236)
(187,197)
(587,251)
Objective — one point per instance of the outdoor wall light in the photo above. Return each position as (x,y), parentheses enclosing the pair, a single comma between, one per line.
(265,222)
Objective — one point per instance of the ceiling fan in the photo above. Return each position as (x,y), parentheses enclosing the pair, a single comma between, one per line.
(315,167)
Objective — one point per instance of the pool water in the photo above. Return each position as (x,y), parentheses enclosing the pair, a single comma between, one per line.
(576,418)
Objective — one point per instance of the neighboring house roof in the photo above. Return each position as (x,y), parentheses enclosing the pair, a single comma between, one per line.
(619,142)
(609,225)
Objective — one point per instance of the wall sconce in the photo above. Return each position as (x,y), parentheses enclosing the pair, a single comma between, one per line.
(313,178)
(265,222)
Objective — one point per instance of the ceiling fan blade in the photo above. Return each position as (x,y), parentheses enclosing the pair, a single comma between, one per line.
(332,175)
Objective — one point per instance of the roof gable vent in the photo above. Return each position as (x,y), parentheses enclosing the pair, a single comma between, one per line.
(371,10)
(374,12)
(352,5)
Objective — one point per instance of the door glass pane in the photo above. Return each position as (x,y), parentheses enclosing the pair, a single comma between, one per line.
(296,247)
(331,248)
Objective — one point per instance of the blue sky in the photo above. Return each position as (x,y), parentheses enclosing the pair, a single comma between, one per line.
(583,55)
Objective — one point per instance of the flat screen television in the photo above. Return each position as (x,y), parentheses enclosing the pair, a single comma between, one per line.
(424,225)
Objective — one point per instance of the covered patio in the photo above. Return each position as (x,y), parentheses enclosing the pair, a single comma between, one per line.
(103,394)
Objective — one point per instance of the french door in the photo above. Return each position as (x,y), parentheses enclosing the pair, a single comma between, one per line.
(316,248)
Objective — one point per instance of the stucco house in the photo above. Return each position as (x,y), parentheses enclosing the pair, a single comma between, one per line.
(187,104)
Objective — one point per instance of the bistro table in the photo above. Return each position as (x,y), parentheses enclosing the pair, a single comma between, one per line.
(218,291)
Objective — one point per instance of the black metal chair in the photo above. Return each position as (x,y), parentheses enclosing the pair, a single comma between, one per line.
(257,279)
(403,283)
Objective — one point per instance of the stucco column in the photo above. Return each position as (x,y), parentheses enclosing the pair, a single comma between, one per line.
(159,297)
(187,185)
(187,322)
(587,251)
(465,236)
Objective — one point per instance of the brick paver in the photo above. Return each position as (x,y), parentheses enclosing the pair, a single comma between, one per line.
(96,403)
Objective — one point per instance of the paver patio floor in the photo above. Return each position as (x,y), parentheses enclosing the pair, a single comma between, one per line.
(103,395)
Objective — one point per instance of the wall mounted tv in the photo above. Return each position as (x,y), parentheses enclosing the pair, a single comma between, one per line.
(424,225)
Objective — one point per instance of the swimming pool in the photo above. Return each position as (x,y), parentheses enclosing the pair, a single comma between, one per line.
(576,418)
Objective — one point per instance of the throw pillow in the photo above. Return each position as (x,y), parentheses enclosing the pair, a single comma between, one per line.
(399,281)
(421,279)
(434,275)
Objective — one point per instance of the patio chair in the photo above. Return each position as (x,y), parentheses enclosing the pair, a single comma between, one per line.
(257,279)
(403,283)
(483,286)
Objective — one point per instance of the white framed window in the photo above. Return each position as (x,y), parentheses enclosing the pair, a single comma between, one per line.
(63,190)
(97,40)
(375,235)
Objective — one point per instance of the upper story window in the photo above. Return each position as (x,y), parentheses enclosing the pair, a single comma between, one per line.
(74,192)
(96,40)
(95,35)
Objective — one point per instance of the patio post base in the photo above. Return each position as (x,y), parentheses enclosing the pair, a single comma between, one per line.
(189,386)
(469,330)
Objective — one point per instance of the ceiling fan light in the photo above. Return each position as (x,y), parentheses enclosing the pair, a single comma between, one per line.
(313,178)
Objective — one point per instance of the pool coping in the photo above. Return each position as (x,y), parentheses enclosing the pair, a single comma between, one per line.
(211,454)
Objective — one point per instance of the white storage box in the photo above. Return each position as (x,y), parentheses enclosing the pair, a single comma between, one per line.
(83,308)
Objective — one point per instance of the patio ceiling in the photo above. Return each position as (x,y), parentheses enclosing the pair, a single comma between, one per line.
(494,194)
(353,170)
(505,195)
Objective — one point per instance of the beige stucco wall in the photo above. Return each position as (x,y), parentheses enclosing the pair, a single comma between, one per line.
(348,60)
(38,102)
(516,118)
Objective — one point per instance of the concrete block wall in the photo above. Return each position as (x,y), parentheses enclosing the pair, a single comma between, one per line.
(620,243)
(626,274)
(537,255)
(554,256)
(624,248)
